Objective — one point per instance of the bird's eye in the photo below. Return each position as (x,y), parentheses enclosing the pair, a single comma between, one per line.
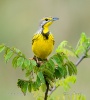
(46,19)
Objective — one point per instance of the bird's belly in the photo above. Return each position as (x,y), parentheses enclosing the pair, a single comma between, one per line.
(42,47)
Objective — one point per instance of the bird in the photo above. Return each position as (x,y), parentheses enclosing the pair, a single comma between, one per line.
(43,40)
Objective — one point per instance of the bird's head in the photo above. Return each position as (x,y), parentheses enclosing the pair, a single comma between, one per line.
(47,21)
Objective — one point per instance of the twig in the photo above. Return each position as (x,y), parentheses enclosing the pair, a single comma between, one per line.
(77,63)
(46,93)
(83,56)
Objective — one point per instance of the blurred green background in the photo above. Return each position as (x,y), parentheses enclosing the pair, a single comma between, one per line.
(19,20)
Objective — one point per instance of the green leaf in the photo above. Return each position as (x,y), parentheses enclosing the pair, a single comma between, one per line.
(64,68)
(61,46)
(28,73)
(57,74)
(74,68)
(30,86)
(2,47)
(41,77)
(83,38)
(27,63)
(48,74)
(14,61)
(82,44)
(23,85)
(35,86)
(43,87)
(38,81)
(51,65)
(61,71)
(20,61)
(71,68)
(8,55)
(70,71)
(56,58)
(33,62)
(17,50)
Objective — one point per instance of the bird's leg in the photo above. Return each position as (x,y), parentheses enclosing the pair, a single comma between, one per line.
(39,61)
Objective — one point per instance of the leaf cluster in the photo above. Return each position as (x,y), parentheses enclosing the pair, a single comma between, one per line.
(57,67)
(82,47)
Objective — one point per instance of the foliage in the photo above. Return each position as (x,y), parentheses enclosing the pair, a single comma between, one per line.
(54,71)
(74,96)
(65,83)
(82,46)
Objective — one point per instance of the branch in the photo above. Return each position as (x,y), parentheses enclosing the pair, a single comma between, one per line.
(77,63)
(83,56)
(46,93)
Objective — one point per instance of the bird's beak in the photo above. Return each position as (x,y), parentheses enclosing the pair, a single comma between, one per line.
(55,18)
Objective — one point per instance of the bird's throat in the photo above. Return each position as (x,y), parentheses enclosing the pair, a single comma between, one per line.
(45,30)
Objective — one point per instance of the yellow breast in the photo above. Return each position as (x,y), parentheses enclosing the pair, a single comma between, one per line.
(41,46)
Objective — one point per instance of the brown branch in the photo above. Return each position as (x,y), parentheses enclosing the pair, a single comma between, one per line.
(77,63)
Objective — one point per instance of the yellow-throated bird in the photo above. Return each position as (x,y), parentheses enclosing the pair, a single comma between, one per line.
(43,40)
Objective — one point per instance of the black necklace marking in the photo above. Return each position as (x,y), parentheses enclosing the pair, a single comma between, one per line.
(46,34)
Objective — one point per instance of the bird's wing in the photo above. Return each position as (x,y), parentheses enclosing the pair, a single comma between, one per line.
(36,35)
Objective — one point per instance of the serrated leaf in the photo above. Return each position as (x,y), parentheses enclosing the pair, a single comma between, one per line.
(2,47)
(8,55)
(20,61)
(41,77)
